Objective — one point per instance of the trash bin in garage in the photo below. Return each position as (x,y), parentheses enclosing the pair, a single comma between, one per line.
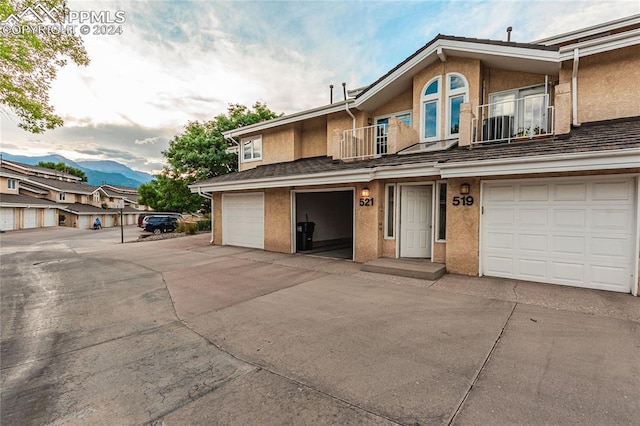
(304,235)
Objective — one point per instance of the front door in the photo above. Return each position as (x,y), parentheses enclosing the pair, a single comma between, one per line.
(415,221)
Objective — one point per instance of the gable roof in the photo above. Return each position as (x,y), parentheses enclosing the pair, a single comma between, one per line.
(8,200)
(38,169)
(610,138)
(61,185)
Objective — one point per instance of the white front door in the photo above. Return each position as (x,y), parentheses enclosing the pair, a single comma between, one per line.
(415,221)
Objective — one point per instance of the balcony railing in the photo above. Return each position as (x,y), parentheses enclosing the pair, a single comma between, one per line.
(364,142)
(513,119)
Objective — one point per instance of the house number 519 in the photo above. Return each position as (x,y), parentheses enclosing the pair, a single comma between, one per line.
(465,201)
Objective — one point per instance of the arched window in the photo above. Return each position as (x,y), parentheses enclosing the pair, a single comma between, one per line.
(457,94)
(430,110)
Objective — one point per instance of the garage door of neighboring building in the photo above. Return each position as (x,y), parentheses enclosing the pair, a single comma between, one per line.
(7,219)
(83,222)
(108,221)
(243,220)
(576,232)
(30,218)
(49,217)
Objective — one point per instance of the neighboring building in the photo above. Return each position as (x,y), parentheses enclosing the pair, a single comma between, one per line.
(516,160)
(36,197)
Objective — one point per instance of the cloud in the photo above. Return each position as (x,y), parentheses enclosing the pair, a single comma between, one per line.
(147,140)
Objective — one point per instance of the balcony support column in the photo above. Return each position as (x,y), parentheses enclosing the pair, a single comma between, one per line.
(464,137)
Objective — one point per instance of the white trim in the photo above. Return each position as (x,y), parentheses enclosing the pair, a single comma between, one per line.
(386,210)
(449,95)
(394,115)
(600,160)
(600,45)
(589,31)
(436,225)
(634,285)
(252,141)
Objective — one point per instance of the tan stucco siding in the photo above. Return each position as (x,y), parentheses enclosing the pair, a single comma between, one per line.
(608,85)
(439,252)
(337,123)
(498,80)
(368,232)
(402,102)
(4,186)
(277,220)
(217,218)
(314,138)
(463,226)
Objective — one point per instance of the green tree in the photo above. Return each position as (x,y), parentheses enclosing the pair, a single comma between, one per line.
(62,167)
(200,152)
(29,61)
(168,194)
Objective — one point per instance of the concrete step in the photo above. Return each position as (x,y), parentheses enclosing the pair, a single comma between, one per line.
(413,268)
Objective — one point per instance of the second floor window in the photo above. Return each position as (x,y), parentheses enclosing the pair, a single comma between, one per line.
(96,197)
(457,93)
(430,110)
(252,148)
(62,196)
(11,184)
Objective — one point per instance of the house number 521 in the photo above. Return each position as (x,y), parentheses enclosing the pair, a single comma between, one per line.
(465,201)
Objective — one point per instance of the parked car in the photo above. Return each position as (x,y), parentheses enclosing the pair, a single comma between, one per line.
(142,216)
(160,224)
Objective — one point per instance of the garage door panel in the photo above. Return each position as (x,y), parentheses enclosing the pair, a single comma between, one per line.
(7,219)
(243,220)
(30,218)
(582,234)
(49,218)
(570,192)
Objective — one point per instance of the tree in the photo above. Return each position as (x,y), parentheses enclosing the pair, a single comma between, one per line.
(62,167)
(29,60)
(167,194)
(200,152)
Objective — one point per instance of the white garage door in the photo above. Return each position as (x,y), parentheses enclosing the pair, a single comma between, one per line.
(576,232)
(7,219)
(49,217)
(243,220)
(30,218)
(108,221)
(83,222)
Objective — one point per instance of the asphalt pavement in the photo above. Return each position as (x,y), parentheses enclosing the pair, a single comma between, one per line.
(178,332)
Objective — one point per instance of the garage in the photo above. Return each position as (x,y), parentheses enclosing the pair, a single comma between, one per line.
(243,220)
(7,219)
(324,223)
(83,222)
(108,221)
(49,217)
(30,218)
(574,231)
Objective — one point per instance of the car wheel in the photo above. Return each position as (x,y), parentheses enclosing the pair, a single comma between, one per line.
(157,231)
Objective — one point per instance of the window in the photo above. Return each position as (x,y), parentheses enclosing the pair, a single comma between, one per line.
(517,112)
(252,148)
(11,184)
(389,211)
(457,93)
(383,129)
(441,213)
(62,196)
(430,110)
(96,197)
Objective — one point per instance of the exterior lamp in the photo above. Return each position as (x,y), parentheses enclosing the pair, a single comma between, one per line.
(369,121)
(464,189)
(365,192)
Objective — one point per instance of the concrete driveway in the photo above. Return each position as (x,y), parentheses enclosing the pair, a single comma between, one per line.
(181,332)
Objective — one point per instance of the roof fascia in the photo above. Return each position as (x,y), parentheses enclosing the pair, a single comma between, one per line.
(600,45)
(587,161)
(589,31)
(458,46)
(287,119)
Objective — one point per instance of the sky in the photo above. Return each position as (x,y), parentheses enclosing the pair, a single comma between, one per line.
(185,60)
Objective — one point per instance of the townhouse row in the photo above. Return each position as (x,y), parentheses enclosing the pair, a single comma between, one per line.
(37,197)
(515,160)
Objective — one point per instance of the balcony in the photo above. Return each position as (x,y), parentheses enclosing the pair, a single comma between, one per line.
(514,119)
(364,142)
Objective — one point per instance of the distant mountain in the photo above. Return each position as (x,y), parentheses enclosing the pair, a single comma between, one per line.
(98,172)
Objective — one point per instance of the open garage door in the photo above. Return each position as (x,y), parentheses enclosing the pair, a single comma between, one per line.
(576,232)
(329,215)
(243,220)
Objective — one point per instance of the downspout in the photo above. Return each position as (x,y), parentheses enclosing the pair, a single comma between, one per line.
(574,88)
(346,105)
(208,197)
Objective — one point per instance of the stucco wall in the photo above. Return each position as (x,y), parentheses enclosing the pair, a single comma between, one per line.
(4,188)
(336,124)
(498,80)
(314,138)
(368,224)
(608,85)
(463,225)
(277,220)
(217,218)
(402,102)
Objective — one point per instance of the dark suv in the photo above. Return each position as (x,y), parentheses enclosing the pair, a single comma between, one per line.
(159,224)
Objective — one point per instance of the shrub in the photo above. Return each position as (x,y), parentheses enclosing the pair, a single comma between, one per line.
(204,225)
(187,228)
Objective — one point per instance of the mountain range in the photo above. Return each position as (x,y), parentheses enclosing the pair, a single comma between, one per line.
(98,171)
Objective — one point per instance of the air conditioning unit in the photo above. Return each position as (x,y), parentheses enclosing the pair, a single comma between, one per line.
(497,128)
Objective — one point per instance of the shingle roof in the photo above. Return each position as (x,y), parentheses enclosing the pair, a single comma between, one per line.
(72,187)
(40,169)
(590,137)
(26,199)
(89,209)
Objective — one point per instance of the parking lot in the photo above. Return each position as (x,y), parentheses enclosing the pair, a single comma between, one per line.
(178,331)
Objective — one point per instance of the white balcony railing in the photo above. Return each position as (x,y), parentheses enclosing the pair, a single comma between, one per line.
(527,117)
(364,142)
